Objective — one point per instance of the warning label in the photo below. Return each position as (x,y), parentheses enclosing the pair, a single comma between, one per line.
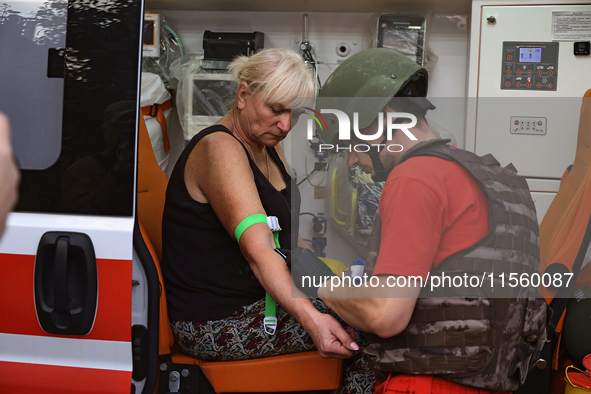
(571,26)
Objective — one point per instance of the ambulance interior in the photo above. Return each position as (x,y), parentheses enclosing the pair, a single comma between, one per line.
(507,78)
(483,100)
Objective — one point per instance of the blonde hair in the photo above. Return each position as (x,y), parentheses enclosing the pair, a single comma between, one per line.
(278,74)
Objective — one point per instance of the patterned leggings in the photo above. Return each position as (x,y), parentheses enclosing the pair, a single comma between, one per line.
(241,336)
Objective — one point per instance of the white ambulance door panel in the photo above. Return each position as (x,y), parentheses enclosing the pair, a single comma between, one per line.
(66,255)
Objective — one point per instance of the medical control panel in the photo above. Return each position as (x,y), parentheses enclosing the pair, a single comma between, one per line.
(528,125)
(529,65)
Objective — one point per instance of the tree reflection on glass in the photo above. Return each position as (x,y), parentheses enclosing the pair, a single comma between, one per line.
(101,46)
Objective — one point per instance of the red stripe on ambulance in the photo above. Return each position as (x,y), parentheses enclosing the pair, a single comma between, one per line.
(48,379)
(17,298)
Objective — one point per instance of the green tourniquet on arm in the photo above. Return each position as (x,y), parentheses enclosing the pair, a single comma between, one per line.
(270,304)
(247,222)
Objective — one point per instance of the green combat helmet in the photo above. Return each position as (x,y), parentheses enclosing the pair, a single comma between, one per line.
(365,83)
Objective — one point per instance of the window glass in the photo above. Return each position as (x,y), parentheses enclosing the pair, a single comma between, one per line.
(96,126)
(32,100)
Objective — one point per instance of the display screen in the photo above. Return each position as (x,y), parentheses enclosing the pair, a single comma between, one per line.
(530,55)
(402,33)
(149,32)
(406,40)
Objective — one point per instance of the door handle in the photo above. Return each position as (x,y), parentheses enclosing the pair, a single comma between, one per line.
(61,315)
(66,283)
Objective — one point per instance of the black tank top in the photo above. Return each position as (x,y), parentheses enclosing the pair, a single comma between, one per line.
(205,274)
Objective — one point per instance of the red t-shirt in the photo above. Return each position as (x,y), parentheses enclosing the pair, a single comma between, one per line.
(430,209)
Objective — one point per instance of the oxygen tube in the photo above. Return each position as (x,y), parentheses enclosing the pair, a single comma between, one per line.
(270,322)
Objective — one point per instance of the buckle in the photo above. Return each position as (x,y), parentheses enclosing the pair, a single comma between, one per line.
(154,110)
(270,324)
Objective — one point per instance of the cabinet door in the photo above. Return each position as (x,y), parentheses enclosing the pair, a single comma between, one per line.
(529,88)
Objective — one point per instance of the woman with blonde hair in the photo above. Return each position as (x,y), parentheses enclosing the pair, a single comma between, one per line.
(228,173)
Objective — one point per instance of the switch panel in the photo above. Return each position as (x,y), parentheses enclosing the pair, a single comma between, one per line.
(528,125)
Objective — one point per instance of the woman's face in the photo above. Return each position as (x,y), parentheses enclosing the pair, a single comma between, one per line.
(267,124)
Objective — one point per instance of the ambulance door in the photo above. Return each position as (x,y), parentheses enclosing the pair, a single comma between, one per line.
(69,82)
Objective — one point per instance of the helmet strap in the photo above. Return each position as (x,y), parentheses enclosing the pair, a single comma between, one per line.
(380,174)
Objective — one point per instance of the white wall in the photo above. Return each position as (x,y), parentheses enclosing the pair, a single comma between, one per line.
(447,37)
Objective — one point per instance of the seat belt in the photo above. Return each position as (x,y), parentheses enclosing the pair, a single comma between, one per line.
(157,111)
(270,321)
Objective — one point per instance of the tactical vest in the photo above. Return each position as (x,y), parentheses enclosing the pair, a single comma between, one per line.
(490,336)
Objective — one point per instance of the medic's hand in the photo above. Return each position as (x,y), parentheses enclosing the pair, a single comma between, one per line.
(330,338)
(308,271)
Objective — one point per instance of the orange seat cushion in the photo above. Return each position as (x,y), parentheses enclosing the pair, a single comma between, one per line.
(294,372)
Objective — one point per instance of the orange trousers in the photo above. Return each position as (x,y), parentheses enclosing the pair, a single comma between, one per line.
(426,384)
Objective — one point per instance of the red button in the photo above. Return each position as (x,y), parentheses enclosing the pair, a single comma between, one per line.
(507,84)
(539,85)
(528,72)
(528,85)
(518,71)
(550,72)
(539,73)
(518,84)
(509,57)
(516,122)
(508,71)
(549,85)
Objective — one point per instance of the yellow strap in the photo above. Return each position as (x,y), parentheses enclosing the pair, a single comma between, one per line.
(568,378)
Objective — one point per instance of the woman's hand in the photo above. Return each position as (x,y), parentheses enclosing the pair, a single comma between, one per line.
(330,337)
